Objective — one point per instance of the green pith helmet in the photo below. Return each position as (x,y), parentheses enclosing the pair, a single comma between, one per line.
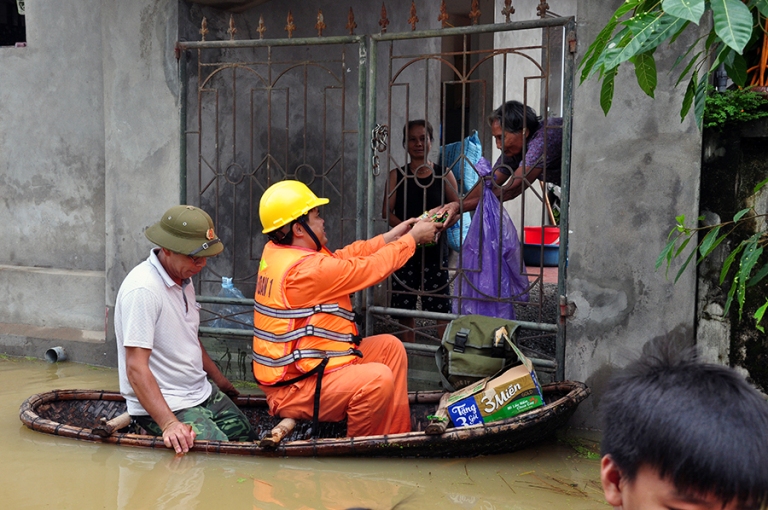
(284,202)
(186,229)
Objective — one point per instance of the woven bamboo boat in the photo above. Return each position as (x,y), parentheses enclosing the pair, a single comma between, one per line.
(77,413)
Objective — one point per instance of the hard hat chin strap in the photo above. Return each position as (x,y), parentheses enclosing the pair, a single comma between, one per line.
(303,221)
(280,236)
(283,237)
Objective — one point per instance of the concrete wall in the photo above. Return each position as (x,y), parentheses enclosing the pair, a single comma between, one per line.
(88,158)
(52,177)
(141,122)
(632,173)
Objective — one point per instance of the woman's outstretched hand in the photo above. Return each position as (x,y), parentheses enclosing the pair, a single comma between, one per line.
(452,208)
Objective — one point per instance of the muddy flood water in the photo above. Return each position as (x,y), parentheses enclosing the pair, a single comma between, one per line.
(42,471)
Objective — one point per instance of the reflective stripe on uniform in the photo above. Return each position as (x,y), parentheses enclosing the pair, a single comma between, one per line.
(302,354)
(306,331)
(301,313)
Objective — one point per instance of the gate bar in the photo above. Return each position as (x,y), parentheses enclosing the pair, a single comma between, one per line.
(370,117)
(473,29)
(182,63)
(535,326)
(565,194)
(253,43)
(224,300)
(362,144)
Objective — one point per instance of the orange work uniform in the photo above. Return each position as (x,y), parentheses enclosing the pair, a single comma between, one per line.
(297,297)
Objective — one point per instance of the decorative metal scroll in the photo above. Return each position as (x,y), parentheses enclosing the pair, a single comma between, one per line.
(508,10)
(414,18)
(351,25)
(384,21)
(261,28)
(320,25)
(232,30)
(542,9)
(289,25)
(475,13)
(443,17)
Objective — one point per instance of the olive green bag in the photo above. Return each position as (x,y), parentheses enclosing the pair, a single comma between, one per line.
(470,350)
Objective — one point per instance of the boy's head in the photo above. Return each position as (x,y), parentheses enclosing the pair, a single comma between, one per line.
(684,435)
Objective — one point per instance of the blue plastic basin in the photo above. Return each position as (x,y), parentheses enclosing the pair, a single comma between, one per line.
(532,254)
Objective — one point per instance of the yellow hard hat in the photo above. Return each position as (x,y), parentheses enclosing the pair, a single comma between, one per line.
(284,202)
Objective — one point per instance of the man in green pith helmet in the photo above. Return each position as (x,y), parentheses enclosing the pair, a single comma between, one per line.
(163,366)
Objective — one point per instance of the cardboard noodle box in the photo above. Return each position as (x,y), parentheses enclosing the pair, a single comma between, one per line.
(513,392)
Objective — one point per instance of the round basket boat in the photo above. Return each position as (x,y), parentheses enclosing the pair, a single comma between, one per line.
(80,414)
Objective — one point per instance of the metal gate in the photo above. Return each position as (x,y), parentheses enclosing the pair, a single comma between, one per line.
(412,64)
(265,110)
(253,113)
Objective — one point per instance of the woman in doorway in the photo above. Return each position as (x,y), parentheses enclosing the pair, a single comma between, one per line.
(419,186)
(512,125)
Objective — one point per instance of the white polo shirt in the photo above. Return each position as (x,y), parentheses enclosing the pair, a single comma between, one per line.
(153,312)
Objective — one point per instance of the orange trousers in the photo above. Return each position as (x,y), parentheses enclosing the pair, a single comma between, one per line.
(371,394)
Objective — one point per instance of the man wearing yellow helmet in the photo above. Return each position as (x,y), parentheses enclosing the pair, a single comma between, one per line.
(307,354)
(162,365)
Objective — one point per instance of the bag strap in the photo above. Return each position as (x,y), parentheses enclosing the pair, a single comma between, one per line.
(439,360)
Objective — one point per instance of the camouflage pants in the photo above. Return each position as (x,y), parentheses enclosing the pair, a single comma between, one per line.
(216,419)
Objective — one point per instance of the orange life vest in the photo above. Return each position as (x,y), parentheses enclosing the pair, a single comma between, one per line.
(300,337)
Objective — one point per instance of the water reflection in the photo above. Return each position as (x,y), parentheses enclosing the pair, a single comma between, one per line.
(56,371)
(172,483)
(82,475)
(292,487)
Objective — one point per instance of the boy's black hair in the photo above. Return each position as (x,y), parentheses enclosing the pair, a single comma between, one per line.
(700,426)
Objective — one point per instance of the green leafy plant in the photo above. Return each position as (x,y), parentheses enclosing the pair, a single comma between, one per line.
(638,27)
(746,274)
(732,106)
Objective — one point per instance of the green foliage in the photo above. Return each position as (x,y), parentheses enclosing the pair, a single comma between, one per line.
(645,72)
(733,22)
(746,273)
(632,34)
(732,106)
(638,27)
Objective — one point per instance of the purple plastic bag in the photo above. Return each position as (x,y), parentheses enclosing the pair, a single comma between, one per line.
(485,275)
